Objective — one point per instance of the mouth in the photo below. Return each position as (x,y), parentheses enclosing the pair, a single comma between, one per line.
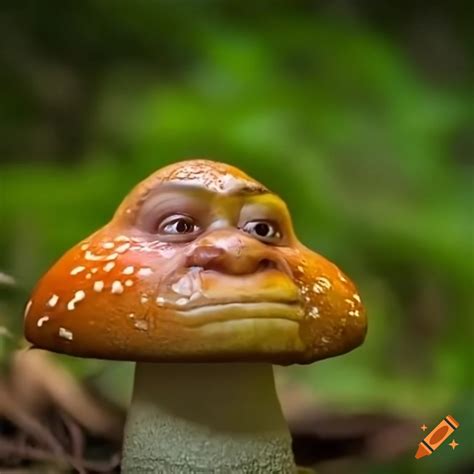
(235,311)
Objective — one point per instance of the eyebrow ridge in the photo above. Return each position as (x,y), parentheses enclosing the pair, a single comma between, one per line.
(244,190)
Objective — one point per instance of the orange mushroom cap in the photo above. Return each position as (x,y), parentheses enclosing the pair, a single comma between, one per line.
(199,263)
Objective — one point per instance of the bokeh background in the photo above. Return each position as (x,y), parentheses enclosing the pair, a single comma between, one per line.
(359,114)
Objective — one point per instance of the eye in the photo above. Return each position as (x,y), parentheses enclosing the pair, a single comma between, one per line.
(177,225)
(263,230)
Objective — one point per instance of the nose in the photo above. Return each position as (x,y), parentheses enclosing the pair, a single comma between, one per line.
(234,253)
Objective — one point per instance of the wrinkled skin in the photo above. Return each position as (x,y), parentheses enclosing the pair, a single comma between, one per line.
(199,263)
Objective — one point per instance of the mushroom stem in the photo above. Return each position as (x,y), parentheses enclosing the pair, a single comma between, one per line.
(187,418)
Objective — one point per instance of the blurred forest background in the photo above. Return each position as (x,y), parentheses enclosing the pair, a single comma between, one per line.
(359,114)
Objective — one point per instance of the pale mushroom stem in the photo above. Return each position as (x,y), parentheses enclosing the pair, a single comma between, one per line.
(187,418)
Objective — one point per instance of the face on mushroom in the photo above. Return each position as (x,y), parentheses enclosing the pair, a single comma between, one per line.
(199,263)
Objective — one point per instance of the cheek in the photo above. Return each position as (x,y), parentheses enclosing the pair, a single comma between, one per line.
(334,320)
(128,264)
(154,261)
(303,269)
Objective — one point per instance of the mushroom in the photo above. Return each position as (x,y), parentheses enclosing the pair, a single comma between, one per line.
(200,267)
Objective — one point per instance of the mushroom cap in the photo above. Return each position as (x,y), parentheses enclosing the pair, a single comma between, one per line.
(200,263)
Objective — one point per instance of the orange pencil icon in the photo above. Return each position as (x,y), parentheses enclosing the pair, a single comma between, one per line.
(437,437)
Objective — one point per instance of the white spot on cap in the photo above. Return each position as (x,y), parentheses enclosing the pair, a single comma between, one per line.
(145,271)
(121,238)
(131,315)
(42,320)
(123,248)
(77,270)
(300,268)
(108,245)
(95,258)
(78,296)
(324,282)
(325,340)
(141,324)
(65,334)
(109,266)
(318,289)
(314,312)
(98,286)
(144,299)
(117,287)
(88,276)
(128,283)
(99,258)
(349,302)
(341,277)
(94,270)
(84,246)
(181,301)
(128,270)
(27,308)
(160,300)
(354,313)
(356,297)
(52,301)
